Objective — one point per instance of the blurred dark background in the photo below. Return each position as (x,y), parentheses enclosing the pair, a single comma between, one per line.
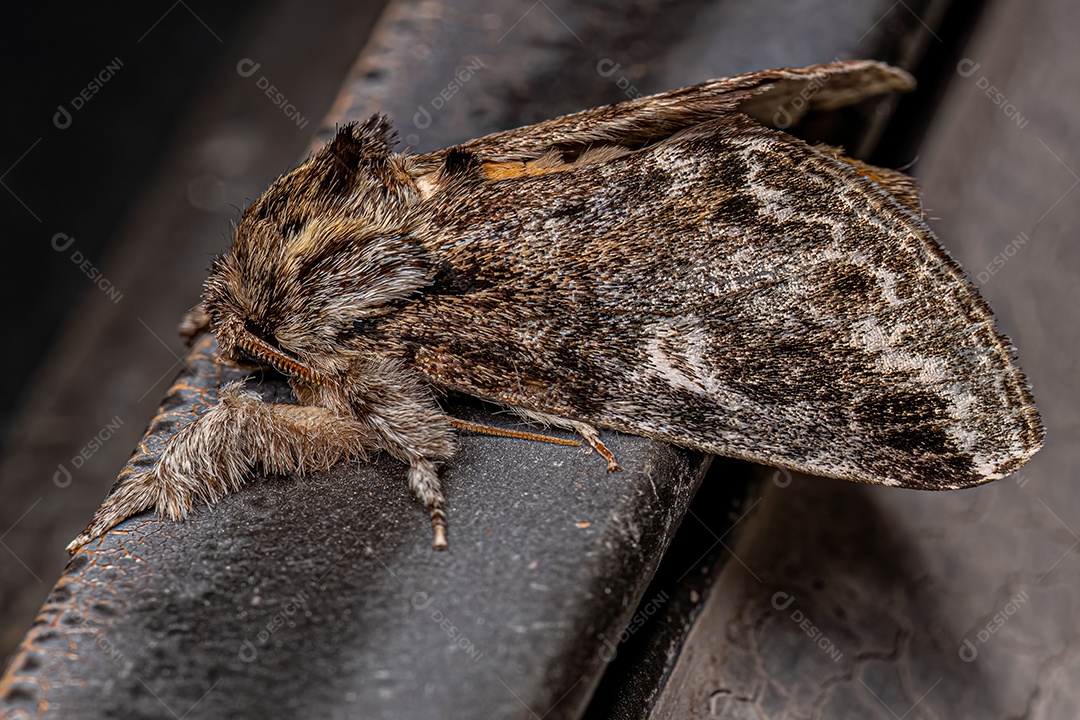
(82,178)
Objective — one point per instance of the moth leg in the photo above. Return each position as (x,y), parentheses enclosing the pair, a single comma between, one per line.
(400,411)
(590,434)
(418,432)
(425,484)
(213,455)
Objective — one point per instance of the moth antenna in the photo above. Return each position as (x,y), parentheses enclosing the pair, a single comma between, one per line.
(518,434)
(256,347)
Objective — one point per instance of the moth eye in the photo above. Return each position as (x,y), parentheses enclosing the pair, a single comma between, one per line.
(259,331)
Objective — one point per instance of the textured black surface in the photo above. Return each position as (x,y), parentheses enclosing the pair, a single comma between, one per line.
(643,654)
(321,596)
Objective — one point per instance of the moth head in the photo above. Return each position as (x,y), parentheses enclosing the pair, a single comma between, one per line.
(328,246)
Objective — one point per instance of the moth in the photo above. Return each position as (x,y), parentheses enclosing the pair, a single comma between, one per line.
(674,267)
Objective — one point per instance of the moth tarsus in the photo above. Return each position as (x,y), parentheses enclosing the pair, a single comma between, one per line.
(674,267)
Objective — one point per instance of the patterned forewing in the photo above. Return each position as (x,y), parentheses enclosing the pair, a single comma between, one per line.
(732,290)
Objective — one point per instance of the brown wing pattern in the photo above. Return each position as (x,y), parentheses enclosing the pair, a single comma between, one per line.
(730,289)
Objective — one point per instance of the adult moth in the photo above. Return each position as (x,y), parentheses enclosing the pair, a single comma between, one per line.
(672,267)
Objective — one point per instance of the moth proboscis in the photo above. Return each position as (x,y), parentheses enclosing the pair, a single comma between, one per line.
(673,267)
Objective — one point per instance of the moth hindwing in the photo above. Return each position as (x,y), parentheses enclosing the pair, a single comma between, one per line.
(672,267)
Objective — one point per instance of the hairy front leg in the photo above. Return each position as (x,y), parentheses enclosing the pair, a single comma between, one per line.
(376,404)
(215,454)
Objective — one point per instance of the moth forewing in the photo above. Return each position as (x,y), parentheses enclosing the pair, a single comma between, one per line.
(752,297)
(670,267)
